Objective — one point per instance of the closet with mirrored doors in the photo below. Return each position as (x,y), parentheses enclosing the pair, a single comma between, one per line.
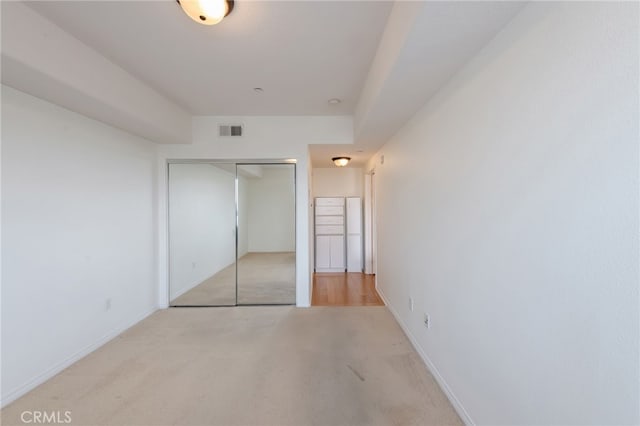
(231,233)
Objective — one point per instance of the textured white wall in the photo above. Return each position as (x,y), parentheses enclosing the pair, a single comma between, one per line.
(508,210)
(78,229)
(338,182)
(202,223)
(271,210)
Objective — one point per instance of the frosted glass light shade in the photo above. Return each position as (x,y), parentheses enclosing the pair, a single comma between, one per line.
(340,161)
(206,12)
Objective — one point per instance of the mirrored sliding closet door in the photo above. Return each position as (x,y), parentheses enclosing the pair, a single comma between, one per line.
(266,234)
(231,234)
(202,234)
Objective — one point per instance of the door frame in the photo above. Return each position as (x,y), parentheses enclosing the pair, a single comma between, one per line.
(370,237)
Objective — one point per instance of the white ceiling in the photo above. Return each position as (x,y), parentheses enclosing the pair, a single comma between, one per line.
(302,53)
(383,59)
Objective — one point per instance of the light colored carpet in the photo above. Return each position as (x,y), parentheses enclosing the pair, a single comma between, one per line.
(275,365)
(263,278)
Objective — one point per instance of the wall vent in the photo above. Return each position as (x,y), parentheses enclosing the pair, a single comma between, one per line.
(230,130)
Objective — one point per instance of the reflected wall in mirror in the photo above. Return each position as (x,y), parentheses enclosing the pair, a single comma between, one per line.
(202,234)
(266,234)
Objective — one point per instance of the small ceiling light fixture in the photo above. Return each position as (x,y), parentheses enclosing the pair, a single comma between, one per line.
(341,161)
(334,101)
(206,12)
(258,89)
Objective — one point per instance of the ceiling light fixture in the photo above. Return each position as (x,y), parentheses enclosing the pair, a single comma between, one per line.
(341,161)
(334,101)
(206,12)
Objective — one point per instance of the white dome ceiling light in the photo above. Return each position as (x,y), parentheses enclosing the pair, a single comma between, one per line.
(206,12)
(341,161)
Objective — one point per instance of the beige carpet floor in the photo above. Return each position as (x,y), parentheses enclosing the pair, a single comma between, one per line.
(263,278)
(275,365)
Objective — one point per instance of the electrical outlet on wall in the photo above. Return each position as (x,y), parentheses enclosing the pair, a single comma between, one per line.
(427,320)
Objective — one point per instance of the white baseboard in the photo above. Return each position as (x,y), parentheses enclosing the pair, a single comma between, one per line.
(52,371)
(457,405)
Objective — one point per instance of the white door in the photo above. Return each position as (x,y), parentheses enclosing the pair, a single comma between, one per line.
(354,253)
(337,251)
(323,251)
(354,234)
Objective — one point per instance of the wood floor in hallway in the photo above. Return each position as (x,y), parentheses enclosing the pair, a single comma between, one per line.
(345,289)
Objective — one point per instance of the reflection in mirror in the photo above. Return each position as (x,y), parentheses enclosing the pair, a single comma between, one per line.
(266,234)
(202,227)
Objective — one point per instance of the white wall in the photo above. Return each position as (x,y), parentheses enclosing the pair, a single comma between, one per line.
(78,222)
(338,182)
(271,210)
(202,214)
(508,209)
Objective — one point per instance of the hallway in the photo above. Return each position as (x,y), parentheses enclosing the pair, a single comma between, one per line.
(345,289)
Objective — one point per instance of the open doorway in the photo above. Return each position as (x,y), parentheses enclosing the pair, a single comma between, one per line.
(342,227)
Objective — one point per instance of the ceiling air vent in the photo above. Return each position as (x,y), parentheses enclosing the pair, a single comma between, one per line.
(230,130)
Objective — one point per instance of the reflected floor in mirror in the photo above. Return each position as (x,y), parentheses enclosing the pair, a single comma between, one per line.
(263,278)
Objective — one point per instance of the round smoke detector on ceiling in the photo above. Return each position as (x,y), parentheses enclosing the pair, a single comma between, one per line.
(258,89)
(334,101)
